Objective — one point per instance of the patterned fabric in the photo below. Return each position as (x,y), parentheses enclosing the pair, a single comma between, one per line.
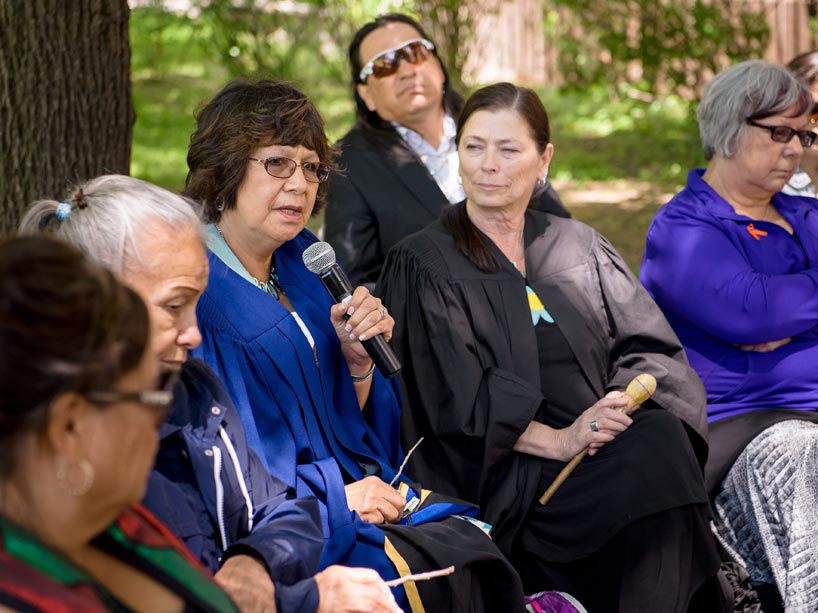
(800,185)
(553,602)
(766,512)
(34,577)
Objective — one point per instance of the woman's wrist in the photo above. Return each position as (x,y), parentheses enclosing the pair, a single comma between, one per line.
(542,441)
(364,376)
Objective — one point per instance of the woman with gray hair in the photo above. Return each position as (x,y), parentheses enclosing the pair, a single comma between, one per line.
(732,262)
(244,525)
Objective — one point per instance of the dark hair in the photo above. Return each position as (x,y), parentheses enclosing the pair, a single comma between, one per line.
(370,120)
(805,67)
(238,120)
(66,325)
(501,96)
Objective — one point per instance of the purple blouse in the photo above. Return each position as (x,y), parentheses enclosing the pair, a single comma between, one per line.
(723,280)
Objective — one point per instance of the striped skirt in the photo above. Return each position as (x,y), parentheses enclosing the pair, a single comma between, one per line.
(766,512)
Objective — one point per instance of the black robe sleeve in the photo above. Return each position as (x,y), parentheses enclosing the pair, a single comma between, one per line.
(643,341)
(476,411)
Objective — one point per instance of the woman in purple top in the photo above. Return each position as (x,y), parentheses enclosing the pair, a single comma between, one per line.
(734,265)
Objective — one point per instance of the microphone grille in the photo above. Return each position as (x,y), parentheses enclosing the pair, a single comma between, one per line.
(318,257)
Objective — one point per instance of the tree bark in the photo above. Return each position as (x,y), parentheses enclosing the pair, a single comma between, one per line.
(66,113)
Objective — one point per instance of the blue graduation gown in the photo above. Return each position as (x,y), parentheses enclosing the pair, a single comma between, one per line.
(301,414)
(255,345)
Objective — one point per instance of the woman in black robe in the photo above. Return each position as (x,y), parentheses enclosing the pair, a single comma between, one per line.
(503,404)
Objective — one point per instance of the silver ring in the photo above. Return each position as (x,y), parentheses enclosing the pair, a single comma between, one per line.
(594,426)
(382,311)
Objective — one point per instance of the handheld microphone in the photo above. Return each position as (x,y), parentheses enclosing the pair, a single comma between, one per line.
(320,259)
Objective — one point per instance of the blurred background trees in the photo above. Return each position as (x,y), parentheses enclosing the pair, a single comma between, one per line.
(653,46)
(620,78)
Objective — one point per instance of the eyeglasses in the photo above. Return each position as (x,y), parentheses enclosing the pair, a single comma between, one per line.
(160,398)
(387,63)
(784,134)
(283,168)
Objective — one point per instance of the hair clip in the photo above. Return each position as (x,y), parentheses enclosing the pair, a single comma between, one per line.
(79,198)
(63,210)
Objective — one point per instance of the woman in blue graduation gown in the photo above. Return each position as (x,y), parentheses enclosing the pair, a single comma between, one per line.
(313,407)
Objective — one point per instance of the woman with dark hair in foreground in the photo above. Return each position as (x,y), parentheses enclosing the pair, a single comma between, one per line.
(81,403)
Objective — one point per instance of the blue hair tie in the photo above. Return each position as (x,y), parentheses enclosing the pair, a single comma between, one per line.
(63,210)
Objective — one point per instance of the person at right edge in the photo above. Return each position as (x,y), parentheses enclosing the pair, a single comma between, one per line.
(399,161)
(733,262)
(519,331)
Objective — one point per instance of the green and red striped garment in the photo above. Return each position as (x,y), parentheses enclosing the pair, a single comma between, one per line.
(35,577)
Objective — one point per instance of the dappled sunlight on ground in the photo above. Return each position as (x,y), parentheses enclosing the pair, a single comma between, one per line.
(619,209)
(624,194)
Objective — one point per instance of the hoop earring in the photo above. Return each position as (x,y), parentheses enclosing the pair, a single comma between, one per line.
(76,479)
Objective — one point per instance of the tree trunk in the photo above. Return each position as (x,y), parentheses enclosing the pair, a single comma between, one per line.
(66,113)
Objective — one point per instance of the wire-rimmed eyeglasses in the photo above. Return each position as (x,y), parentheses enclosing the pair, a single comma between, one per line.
(283,168)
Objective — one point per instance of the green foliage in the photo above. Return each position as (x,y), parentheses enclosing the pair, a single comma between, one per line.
(598,137)
(655,46)
(451,24)
(180,60)
(172,72)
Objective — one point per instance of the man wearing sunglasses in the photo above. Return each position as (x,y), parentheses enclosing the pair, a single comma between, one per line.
(400,160)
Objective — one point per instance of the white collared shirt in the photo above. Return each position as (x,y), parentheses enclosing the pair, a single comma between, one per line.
(442,163)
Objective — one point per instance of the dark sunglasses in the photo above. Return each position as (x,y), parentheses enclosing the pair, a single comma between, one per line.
(784,134)
(160,398)
(387,63)
(283,168)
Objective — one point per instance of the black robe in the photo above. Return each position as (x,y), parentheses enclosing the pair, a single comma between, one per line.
(472,385)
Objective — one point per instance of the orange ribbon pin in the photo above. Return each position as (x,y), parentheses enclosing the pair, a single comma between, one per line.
(756,234)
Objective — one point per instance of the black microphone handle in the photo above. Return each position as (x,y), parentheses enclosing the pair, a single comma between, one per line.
(339,287)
